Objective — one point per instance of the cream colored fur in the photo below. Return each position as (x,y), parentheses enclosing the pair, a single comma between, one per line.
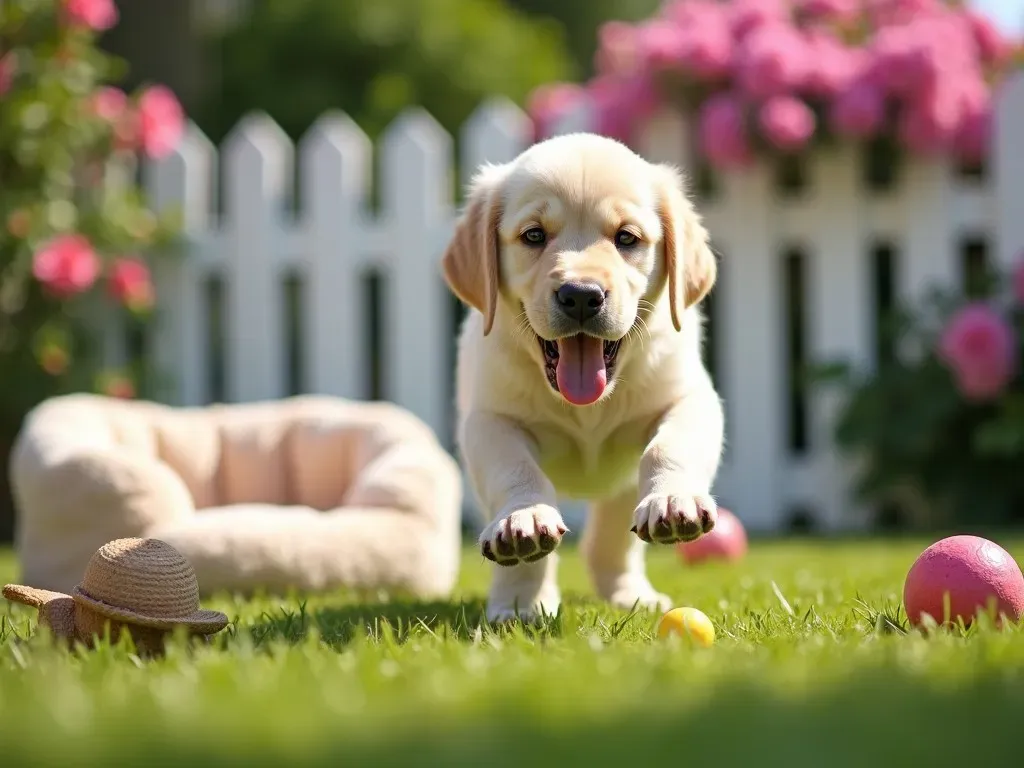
(307,492)
(647,452)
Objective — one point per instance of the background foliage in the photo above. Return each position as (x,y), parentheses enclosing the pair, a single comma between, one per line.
(74,228)
(934,447)
(297,58)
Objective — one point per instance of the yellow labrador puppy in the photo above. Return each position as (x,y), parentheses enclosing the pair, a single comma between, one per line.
(579,366)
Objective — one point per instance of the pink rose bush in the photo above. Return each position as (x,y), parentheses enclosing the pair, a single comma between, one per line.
(787,123)
(918,71)
(63,245)
(97,15)
(131,284)
(723,131)
(161,121)
(67,265)
(940,413)
(980,344)
(980,348)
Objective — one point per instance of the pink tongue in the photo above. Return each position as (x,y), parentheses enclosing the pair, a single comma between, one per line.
(581,374)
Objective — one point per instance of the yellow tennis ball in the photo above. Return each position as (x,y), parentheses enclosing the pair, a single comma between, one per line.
(687,623)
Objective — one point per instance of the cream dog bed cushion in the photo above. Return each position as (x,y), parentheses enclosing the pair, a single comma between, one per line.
(307,492)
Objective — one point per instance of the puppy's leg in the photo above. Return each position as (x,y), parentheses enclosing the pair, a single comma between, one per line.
(615,558)
(526,527)
(526,592)
(677,469)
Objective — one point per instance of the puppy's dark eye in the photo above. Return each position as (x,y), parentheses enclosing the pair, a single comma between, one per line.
(625,239)
(533,236)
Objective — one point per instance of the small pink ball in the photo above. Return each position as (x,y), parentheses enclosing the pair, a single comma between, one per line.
(726,541)
(972,570)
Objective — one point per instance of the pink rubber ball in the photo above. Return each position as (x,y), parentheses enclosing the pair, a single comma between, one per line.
(973,571)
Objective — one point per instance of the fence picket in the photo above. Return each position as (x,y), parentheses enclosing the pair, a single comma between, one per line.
(840,321)
(258,166)
(1007,167)
(336,172)
(753,351)
(416,170)
(183,182)
(495,133)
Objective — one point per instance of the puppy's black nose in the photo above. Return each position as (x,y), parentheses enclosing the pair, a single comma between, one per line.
(580,301)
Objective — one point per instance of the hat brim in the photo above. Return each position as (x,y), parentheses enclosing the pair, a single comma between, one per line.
(202,622)
(32,596)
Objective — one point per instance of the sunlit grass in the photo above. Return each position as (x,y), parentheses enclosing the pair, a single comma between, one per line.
(812,668)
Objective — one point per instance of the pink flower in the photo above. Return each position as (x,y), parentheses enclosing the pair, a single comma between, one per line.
(109,103)
(98,15)
(708,48)
(700,42)
(890,12)
(661,44)
(621,103)
(829,10)
(993,47)
(749,15)
(974,132)
(858,112)
(130,283)
(834,66)
(67,265)
(929,122)
(772,60)
(979,347)
(126,130)
(902,63)
(722,131)
(618,48)
(8,66)
(1018,279)
(161,121)
(787,122)
(682,12)
(550,102)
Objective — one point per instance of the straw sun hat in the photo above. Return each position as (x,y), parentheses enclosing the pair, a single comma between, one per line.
(142,583)
(145,582)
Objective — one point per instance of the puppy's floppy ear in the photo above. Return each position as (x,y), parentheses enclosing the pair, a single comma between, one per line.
(689,261)
(470,262)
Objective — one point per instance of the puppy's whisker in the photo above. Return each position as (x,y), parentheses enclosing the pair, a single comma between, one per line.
(641,326)
(522,328)
(638,331)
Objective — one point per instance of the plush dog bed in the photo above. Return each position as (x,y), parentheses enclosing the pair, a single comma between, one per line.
(307,492)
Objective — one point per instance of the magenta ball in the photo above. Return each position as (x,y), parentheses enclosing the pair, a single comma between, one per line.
(726,541)
(973,571)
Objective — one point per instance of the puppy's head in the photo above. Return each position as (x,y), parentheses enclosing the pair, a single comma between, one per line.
(581,239)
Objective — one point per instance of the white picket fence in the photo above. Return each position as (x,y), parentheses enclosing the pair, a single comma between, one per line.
(331,238)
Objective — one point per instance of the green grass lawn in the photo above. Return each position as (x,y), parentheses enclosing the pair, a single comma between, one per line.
(808,670)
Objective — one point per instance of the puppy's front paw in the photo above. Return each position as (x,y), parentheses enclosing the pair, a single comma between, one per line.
(668,518)
(523,536)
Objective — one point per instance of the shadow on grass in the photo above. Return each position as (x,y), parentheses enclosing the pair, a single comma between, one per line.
(890,717)
(391,621)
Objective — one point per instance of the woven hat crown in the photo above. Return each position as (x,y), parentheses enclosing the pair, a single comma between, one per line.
(147,576)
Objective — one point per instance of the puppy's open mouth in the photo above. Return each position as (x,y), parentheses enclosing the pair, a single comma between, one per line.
(579,367)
